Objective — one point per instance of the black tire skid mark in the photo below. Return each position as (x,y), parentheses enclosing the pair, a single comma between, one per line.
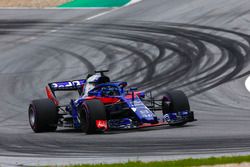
(177,50)
(94,44)
(97,45)
(136,37)
(228,47)
(150,64)
(141,55)
(125,37)
(185,34)
(242,35)
(141,28)
(137,28)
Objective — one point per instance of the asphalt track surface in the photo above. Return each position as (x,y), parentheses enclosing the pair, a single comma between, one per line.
(201,47)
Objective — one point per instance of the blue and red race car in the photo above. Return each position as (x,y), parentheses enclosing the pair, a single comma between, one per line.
(105,105)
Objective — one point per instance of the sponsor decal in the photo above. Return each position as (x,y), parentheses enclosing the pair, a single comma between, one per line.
(67,84)
(102,124)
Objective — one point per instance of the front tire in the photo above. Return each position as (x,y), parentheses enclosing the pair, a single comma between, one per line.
(174,102)
(43,115)
(92,111)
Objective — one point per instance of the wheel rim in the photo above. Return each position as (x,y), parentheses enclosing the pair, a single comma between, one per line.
(32,116)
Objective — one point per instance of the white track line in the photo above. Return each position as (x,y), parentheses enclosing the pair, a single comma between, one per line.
(100,14)
(132,2)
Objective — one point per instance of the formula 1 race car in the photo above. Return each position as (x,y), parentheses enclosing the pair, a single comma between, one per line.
(103,105)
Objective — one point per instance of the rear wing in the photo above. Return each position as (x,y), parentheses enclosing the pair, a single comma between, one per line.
(76,85)
(67,85)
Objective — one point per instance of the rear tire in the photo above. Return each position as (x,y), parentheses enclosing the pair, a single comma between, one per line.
(92,110)
(43,115)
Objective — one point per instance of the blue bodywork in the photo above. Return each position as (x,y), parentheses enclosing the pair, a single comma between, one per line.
(129,101)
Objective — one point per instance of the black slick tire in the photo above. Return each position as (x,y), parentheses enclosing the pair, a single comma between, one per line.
(43,115)
(91,111)
(173,102)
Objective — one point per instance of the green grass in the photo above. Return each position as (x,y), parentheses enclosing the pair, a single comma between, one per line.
(177,163)
(95,3)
